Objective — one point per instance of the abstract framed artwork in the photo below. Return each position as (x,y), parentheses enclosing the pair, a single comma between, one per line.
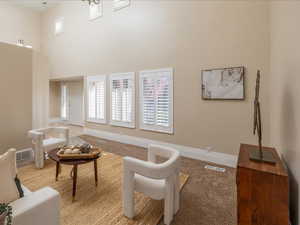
(223,84)
(119,4)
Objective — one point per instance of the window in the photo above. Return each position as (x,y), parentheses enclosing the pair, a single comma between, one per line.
(59,26)
(95,10)
(96,99)
(156,100)
(122,99)
(21,43)
(64,114)
(119,4)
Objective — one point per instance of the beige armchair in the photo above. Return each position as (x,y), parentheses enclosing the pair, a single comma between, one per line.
(158,181)
(47,139)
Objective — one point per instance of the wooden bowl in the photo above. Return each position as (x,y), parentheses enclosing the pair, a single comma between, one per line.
(95,152)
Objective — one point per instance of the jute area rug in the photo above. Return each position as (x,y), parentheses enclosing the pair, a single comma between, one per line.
(100,205)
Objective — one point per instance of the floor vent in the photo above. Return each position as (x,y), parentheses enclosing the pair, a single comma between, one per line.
(218,169)
(24,157)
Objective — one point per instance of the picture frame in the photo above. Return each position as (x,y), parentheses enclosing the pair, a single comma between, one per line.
(223,84)
(120,4)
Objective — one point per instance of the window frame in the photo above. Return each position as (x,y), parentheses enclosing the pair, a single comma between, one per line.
(121,76)
(89,79)
(157,128)
(119,4)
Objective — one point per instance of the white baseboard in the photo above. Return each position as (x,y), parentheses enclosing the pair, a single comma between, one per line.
(190,152)
(80,124)
(67,122)
(55,120)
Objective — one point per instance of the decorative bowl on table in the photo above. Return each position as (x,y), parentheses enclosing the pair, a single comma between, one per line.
(84,151)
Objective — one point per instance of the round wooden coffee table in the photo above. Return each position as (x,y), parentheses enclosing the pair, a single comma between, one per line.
(73,162)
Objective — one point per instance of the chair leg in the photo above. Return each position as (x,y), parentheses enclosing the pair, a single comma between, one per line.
(39,159)
(128,194)
(177,194)
(169,205)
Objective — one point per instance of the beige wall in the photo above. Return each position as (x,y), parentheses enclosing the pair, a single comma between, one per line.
(16,96)
(76,101)
(285,91)
(54,99)
(16,23)
(186,35)
(40,91)
(19,23)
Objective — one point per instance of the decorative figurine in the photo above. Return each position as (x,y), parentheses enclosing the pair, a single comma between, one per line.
(260,154)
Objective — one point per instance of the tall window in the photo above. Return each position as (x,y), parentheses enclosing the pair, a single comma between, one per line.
(156,100)
(64,114)
(96,99)
(59,26)
(95,10)
(122,99)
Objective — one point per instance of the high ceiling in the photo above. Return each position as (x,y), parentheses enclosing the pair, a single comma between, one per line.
(36,5)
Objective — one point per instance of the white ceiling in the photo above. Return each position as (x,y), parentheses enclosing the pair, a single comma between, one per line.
(36,5)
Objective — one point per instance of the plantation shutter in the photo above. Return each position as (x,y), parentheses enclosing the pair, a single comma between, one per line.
(162,102)
(100,99)
(149,99)
(122,99)
(156,93)
(96,98)
(64,102)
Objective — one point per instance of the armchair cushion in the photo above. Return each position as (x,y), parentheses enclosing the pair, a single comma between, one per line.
(36,208)
(52,143)
(150,187)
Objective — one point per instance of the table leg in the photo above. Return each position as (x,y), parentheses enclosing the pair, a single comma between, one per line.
(74,181)
(72,173)
(57,170)
(96,172)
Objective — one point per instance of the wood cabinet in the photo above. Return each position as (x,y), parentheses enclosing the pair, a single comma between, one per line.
(262,189)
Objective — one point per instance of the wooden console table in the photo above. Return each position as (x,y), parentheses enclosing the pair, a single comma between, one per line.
(263,190)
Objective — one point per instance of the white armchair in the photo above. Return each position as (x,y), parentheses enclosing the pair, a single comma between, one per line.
(158,181)
(36,208)
(43,143)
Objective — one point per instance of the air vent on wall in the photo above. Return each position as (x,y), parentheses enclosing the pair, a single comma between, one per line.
(215,168)
(24,156)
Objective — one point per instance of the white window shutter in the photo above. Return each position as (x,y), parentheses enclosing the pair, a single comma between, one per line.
(122,88)
(100,99)
(91,100)
(96,99)
(149,101)
(156,100)
(64,102)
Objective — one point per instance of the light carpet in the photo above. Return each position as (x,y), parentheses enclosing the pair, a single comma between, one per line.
(100,205)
